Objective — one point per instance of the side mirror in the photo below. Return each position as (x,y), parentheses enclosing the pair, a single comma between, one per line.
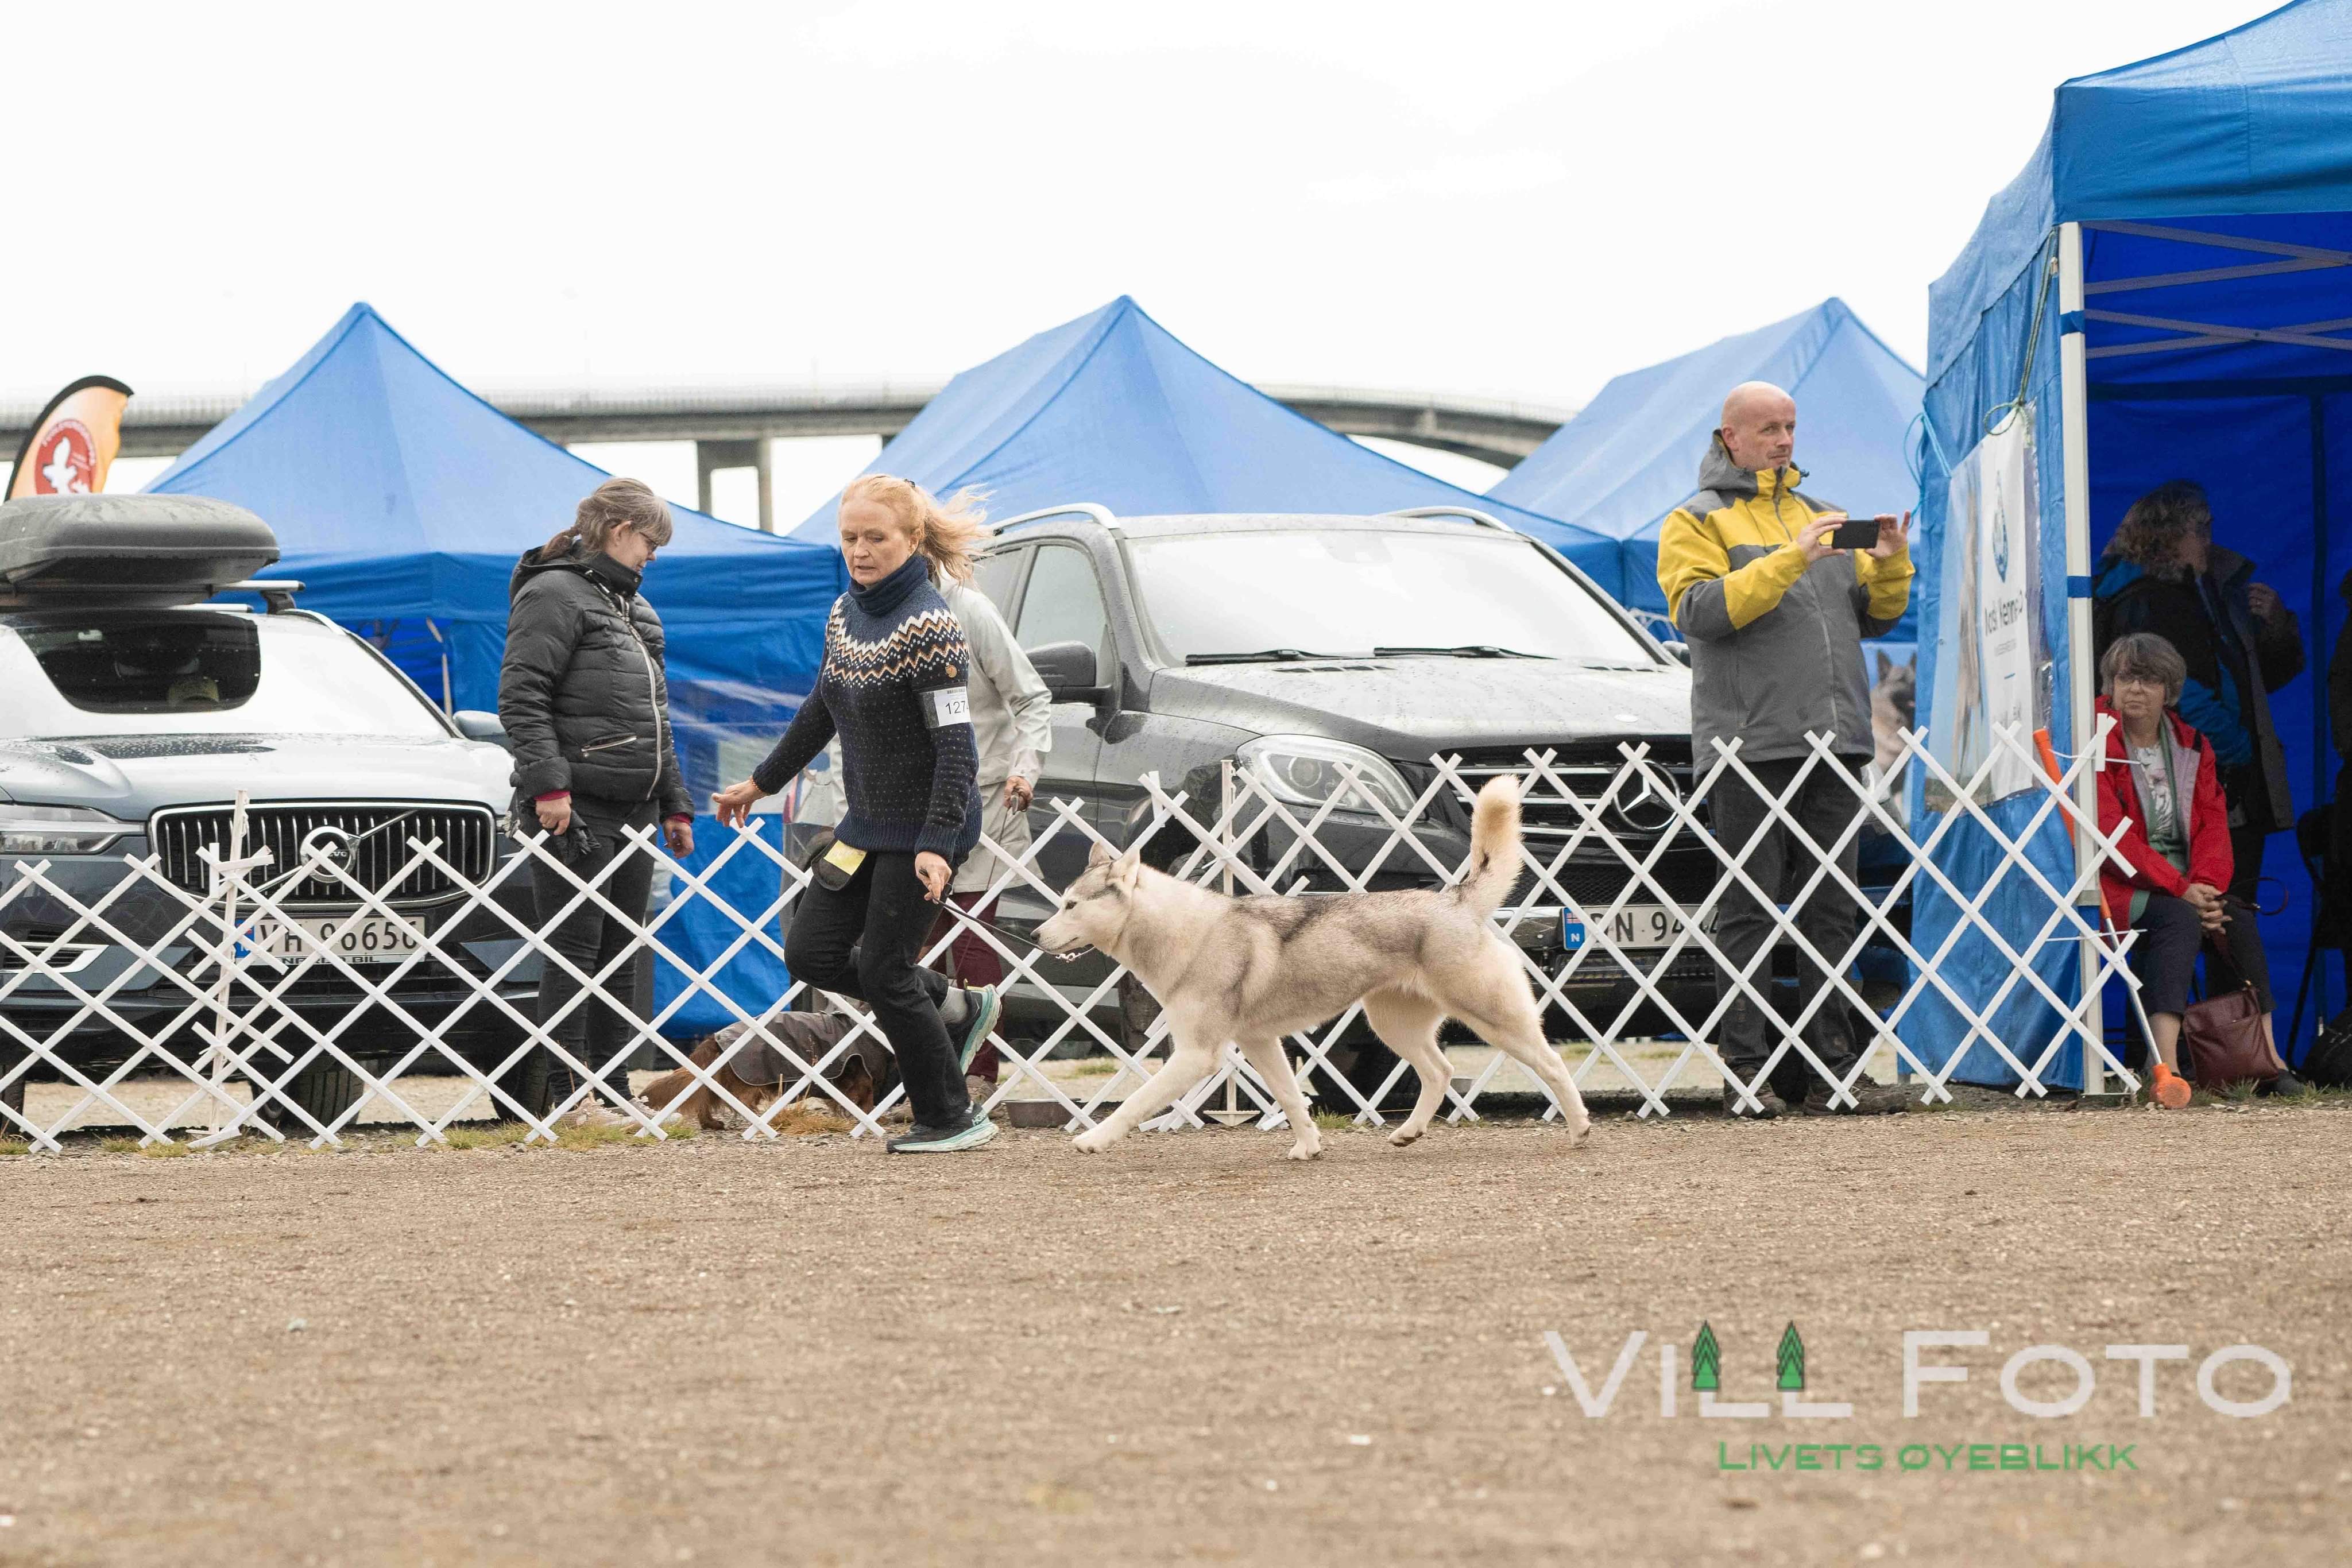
(1068,671)
(1681,650)
(476,725)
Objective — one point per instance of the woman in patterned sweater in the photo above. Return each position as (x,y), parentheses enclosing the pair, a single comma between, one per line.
(893,685)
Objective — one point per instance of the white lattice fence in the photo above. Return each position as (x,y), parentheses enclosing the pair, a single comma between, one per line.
(234,985)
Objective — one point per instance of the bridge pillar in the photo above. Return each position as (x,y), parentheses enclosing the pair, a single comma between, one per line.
(709,456)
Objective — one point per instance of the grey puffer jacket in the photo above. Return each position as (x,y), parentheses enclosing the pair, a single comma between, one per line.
(581,692)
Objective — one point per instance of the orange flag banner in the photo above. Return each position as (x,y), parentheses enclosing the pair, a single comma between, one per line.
(73,443)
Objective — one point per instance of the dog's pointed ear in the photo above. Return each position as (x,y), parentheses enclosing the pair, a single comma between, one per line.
(1098,856)
(1130,868)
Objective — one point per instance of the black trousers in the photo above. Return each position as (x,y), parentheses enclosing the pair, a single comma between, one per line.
(863,942)
(595,1031)
(2165,956)
(1826,806)
(2246,846)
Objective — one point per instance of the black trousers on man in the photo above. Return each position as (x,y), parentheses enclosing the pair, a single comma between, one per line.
(863,941)
(1825,805)
(596,1031)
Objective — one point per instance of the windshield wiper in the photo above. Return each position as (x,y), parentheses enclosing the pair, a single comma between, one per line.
(1263,656)
(1466,651)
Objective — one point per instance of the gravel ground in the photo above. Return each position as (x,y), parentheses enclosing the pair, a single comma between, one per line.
(1185,1349)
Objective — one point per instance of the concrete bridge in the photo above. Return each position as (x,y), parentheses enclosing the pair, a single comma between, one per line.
(730,427)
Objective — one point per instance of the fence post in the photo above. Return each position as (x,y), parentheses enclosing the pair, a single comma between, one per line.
(231,873)
(1233,1116)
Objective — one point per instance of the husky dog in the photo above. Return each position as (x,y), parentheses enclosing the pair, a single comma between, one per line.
(1253,970)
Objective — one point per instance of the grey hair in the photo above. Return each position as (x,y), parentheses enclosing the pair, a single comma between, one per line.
(2147,656)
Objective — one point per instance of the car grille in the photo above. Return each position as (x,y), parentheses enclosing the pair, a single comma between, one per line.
(467,836)
(1686,876)
(1586,771)
(1593,879)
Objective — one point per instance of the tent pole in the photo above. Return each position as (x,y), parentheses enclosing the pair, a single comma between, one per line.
(2319,738)
(2074,402)
(2322,752)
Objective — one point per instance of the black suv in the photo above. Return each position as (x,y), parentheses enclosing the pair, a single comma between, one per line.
(1291,643)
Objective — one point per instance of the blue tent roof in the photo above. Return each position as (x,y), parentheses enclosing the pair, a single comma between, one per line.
(2255,121)
(1633,454)
(2214,188)
(397,494)
(1113,408)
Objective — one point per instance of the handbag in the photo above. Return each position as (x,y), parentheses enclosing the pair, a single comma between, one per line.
(2222,1039)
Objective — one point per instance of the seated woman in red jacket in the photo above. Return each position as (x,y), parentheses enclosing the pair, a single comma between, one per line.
(2161,774)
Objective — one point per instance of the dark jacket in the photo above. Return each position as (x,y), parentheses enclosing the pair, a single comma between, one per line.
(582,691)
(2234,662)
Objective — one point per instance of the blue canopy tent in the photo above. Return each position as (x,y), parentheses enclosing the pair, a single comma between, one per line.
(401,500)
(1113,408)
(2164,293)
(1633,454)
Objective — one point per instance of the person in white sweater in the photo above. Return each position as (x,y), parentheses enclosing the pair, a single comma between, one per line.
(1011,718)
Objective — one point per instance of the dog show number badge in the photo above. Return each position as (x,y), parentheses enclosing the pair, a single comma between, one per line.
(949,706)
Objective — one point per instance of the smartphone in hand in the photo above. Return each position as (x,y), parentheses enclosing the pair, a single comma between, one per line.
(1855,533)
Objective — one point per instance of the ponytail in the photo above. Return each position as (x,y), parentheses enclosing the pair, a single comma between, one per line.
(604,508)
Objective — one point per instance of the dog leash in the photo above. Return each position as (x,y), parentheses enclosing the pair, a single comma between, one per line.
(1070,956)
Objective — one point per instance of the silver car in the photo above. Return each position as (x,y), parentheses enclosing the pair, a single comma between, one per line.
(126,732)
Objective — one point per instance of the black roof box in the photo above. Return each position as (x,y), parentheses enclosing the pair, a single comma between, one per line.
(126,550)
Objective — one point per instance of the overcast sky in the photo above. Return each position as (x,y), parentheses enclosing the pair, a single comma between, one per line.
(1508,200)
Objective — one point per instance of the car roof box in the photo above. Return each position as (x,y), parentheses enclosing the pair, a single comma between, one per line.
(126,550)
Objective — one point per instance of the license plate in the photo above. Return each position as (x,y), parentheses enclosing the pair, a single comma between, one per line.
(354,938)
(1634,927)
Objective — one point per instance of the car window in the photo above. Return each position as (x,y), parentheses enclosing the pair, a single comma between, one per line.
(1063,604)
(163,665)
(995,576)
(198,672)
(1350,591)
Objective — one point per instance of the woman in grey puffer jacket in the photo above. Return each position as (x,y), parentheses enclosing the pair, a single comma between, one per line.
(586,710)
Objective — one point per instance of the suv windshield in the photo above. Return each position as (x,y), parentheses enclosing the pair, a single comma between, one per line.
(1350,591)
(196,672)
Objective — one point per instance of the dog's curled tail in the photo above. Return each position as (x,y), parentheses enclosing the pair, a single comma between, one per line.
(1493,846)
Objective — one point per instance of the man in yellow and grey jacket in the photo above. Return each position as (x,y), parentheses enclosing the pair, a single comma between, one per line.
(1774,616)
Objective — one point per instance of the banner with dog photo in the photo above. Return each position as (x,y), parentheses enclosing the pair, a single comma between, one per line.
(1997,678)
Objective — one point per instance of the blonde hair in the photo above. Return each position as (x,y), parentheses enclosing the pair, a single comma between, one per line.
(606,507)
(945,532)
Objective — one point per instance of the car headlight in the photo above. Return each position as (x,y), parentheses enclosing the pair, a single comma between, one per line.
(55,830)
(1305,770)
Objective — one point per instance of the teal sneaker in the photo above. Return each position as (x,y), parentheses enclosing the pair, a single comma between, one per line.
(987,1007)
(977,1130)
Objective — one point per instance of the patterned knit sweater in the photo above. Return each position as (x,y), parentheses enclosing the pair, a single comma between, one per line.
(893,685)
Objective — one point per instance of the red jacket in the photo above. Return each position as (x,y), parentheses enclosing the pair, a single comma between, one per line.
(2209,860)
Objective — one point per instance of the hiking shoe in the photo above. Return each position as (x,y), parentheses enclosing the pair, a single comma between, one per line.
(1764,1096)
(976,1130)
(2284,1084)
(987,1007)
(1869,1100)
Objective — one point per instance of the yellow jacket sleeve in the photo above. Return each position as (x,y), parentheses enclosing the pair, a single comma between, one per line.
(1888,582)
(1705,597)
